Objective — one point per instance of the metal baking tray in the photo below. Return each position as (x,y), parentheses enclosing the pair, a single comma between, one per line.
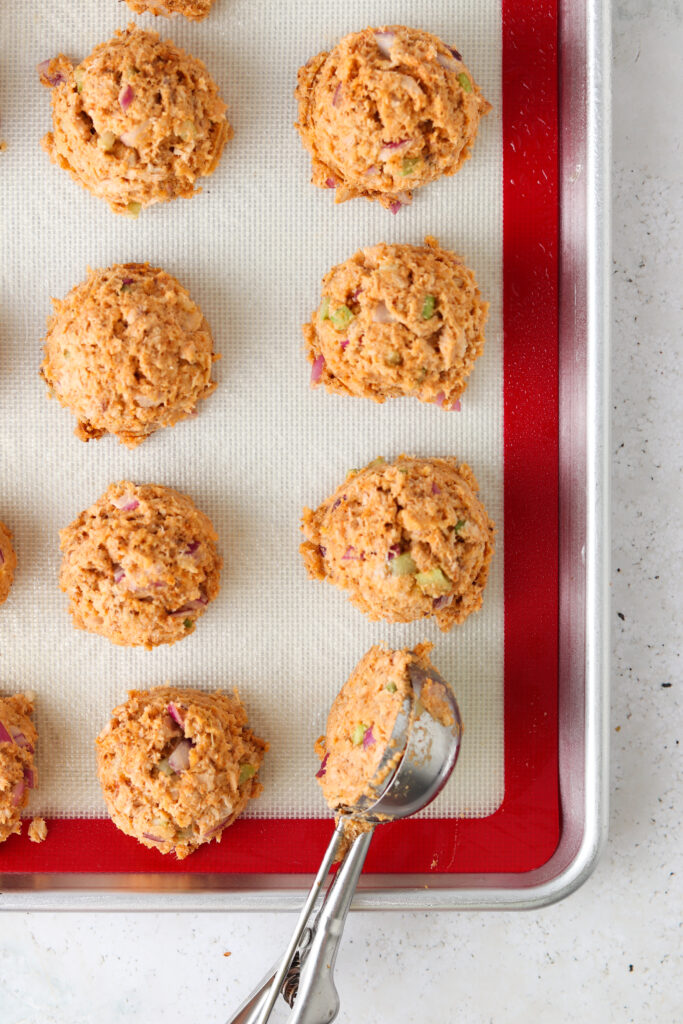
(582,445)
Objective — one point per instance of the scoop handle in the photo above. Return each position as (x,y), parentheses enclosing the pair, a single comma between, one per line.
(317,1000)
(258,1006)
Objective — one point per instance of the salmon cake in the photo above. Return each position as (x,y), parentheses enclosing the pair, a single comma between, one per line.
(128,352)
(18,774)
(8,562)
(387,111)
(140,566)
(398,320)
(177,766)
(195,10)
(137,122)
(408,540)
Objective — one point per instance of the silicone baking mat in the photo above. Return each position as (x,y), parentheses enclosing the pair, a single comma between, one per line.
(252,249)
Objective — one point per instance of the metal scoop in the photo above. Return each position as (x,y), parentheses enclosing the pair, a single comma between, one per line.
(430,747)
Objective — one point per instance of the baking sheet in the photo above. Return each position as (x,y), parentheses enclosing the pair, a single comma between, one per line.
(252,250)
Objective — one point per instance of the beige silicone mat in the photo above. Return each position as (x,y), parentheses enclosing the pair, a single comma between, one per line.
(252,249)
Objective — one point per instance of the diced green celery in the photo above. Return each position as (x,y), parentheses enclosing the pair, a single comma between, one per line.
(421,374)
(188,623)
(391,687)
(409,164)
(341,318)
(465,82)
(247,771)
(393,358)
(79,75)
(324,311)
(376,463)
(403,565)
(433,582)
(133,209)
(125,288)
(428,307)
(164,767)
(459,525)
(184,833)
(358,734)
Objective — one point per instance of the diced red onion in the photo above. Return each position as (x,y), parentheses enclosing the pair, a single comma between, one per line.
(368,739)
(153,839)
(323,766)
(18,792)
(455,53)
(446,62)
(435,489)
(4,735)
(128,280)
(354,295)
(119,573)
(317,369)
(442,602)
(336,504)
(385,40)
(381,315)
(176,714)
(336,99)
(217,828)
(330,183)
(126,97)
(344,344)
(44,69)
(179,759)
(29,777)
(133,135)
(371,170)
(440,399)
(322,550)
(20,739)
(393,551)
(2,557)
(395,206)
(191,606)
(192,548)
(350,554)
(456,407)
(392,147)
(126,503)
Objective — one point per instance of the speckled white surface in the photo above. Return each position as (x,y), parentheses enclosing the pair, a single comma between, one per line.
(610,954)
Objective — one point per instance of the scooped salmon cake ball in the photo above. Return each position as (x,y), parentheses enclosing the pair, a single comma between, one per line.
(128,352)
(18,775)
(138,122)
(178,766)
(398,320)
(387,111)
(195,10)
(8,562)
(408,540)
(140,566)
(356,751)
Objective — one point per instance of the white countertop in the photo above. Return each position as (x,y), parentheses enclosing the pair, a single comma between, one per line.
(611,953)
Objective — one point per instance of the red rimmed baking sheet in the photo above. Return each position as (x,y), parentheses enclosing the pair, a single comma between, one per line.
(523,833)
